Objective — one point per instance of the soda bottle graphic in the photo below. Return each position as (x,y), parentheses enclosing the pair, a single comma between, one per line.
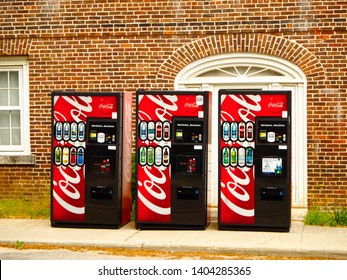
(58,131)
(158,156)
(151,131)
(233,161)
(226,131)
(66,131)
(80,156)
(65,156)
(143,156)
(225,153)
(73,156)
(249,156)
(143,130)
(81,131)
(242,131)
(166,135)
(249,131)
(233,131)
(108,166)
(241,157)
(166,157)
(150,154)
(57,156)
(158,131)
(278,170)
(73,131)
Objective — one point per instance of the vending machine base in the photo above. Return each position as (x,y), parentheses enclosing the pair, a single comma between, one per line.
(170,227)
(254,228)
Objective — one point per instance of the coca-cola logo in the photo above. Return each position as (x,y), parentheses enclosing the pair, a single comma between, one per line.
(190,105)
(237,190)
(153,192)
(68,181)
(276,104)
(106,108)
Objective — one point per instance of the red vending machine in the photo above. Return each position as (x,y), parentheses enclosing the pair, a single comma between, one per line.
(91,159)
(254,160)
(171,174)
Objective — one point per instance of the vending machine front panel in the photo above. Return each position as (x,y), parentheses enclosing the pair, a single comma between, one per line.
(87,185)
(171,159)
(254,160)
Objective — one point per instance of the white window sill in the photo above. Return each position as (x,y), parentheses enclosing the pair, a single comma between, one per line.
(17,160)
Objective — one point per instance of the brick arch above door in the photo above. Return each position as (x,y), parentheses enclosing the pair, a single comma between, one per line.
(254,43)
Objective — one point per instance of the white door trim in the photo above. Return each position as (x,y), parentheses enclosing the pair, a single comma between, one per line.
(198,75)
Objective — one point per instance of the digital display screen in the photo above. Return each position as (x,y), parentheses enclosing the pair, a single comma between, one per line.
(271,166)
(188,130)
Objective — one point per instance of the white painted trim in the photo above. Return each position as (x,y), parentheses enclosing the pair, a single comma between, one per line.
(293,78)
(22,65)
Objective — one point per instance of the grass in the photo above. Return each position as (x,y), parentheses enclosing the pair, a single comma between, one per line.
(333,218)
(24,209)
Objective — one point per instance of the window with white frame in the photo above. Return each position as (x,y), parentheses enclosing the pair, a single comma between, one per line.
(14,107)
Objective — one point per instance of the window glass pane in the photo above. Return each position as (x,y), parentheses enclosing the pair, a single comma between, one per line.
(4,119)
(4,137)
(15,136)
(14,82)
(3,80)
(15,119)
(14,97)
(3,97)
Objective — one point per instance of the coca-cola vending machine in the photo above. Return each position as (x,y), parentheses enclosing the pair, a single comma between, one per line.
(171,174)
(91,159)
(254,160)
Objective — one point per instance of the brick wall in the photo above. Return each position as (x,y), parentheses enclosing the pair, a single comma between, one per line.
(100,45)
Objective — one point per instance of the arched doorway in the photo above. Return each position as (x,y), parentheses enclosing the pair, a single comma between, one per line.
(253,71)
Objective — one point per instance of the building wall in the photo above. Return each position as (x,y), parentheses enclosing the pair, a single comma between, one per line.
(125,45)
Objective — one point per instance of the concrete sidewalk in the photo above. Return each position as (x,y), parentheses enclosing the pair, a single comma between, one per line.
(301,241)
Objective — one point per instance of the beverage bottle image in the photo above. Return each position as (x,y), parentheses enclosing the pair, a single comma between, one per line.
(166,158)
(73,155)
(59,131)
(158,130)
(190,166)
(57,158)
(66,131)
(143,157)
(65,156)
(225,153)
(166,136)
(278,167)
(81,131)
(241,156)
(80,156)
(73,131)
(226,129)
(242,131)
(108,166)
(150,154)
(249,156)
(151,131)
(233,161)
(143,130)
(158,156)
(233,131)
(249,131)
